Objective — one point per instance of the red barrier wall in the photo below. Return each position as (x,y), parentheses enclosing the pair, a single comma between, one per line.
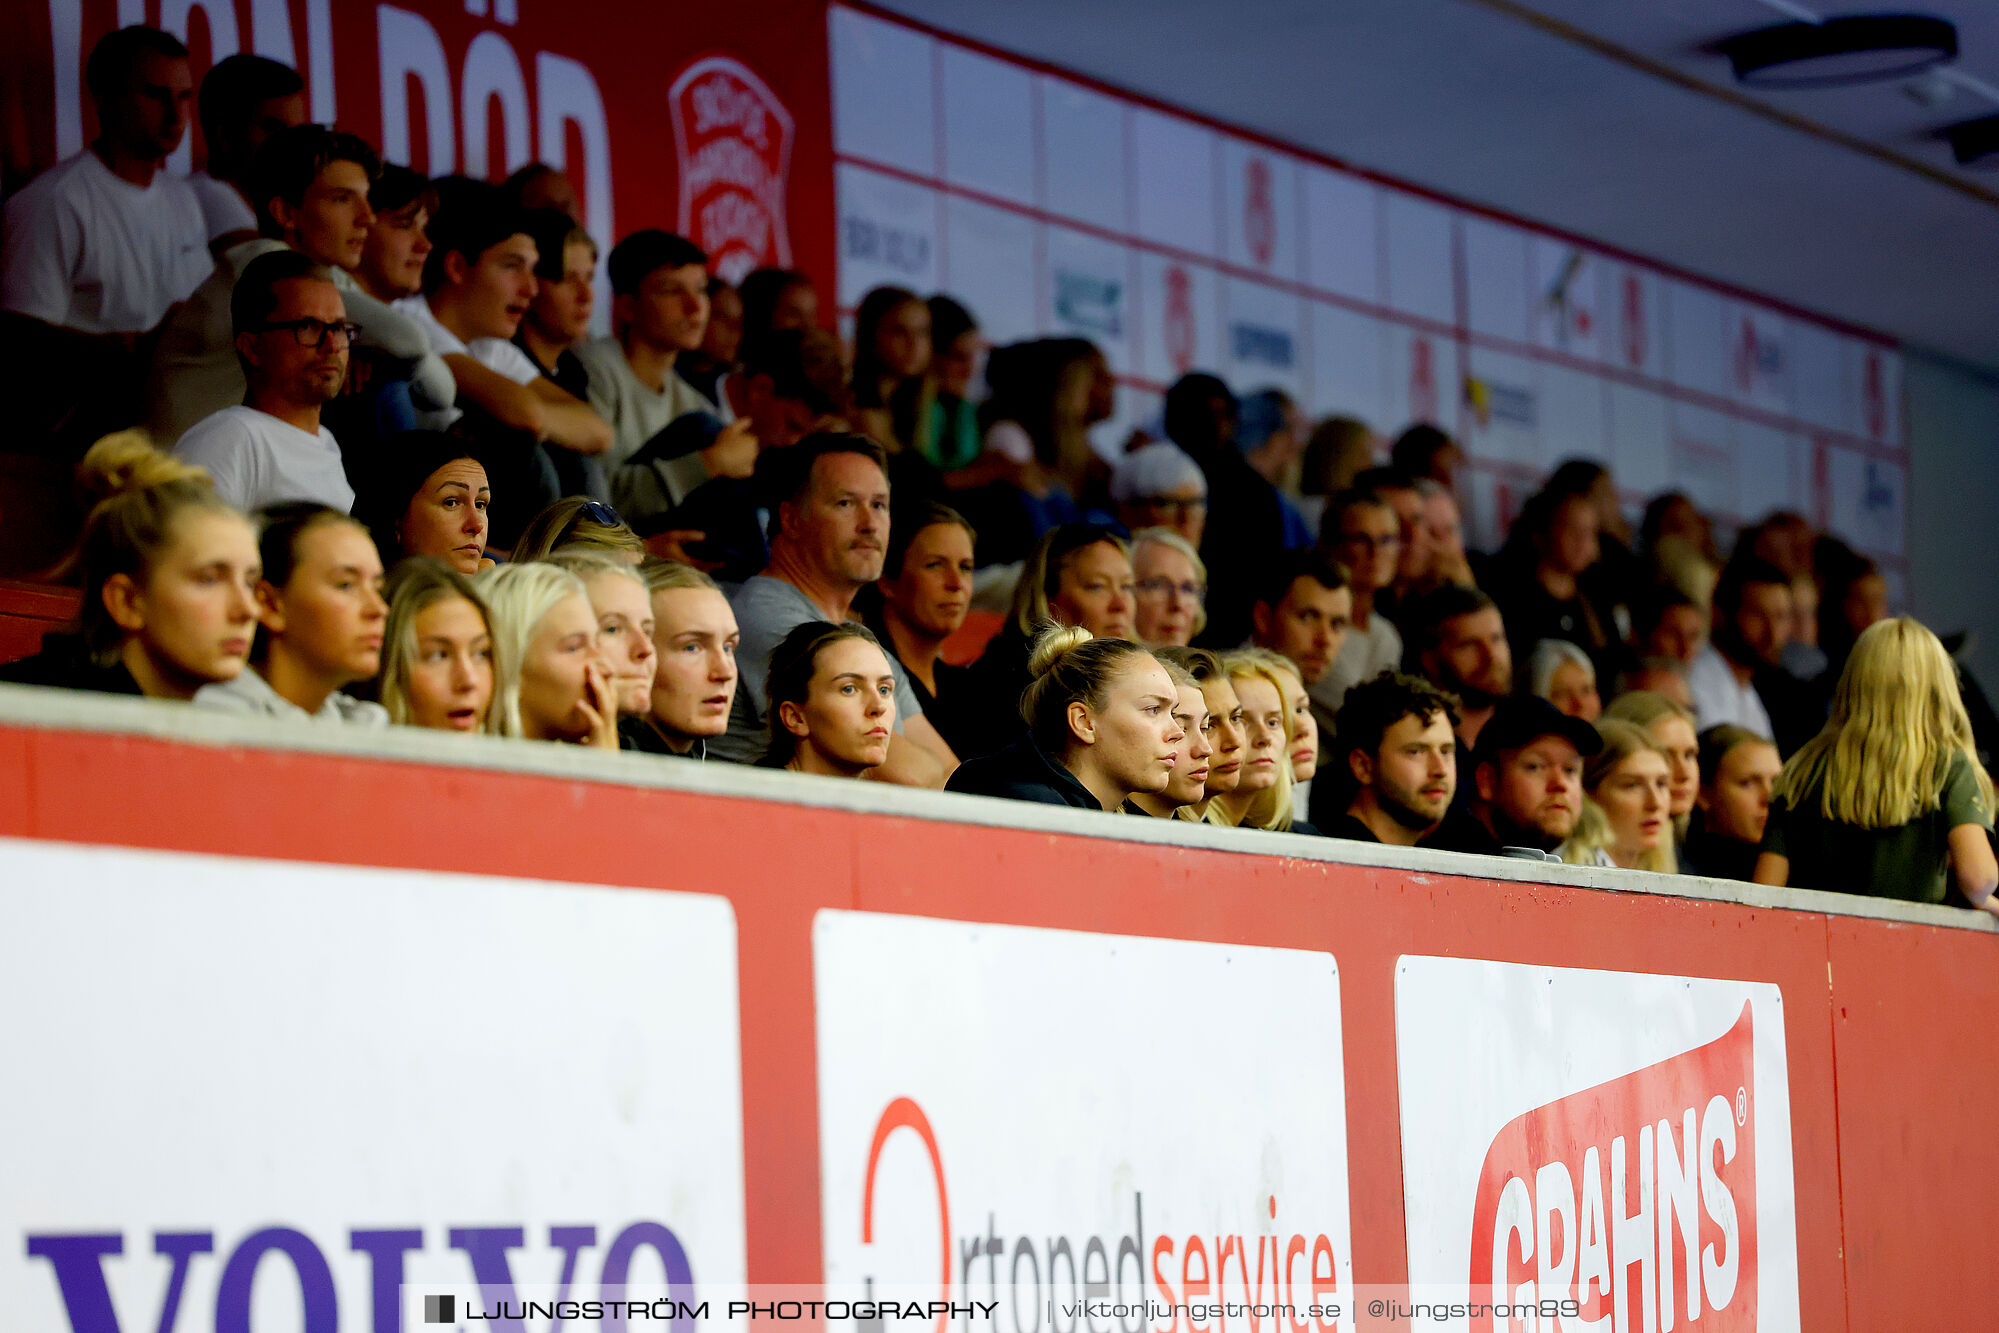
(1890,1071)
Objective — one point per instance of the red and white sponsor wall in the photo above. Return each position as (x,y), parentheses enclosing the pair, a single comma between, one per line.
(294,1033)
(707,119)
(1056,206)
(1053,205)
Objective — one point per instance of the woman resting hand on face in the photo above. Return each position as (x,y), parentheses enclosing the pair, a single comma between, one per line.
(552,683)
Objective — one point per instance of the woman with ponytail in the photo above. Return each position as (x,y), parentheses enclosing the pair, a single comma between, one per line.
(1100,722)
(169,576)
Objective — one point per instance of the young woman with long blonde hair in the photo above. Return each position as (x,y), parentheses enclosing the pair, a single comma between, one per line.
(1890,798)
(1626,818)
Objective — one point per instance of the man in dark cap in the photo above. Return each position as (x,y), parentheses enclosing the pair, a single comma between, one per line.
(1526,787)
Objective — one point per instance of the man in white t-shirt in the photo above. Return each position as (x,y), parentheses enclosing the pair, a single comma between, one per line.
(245,99)
(97,249)
(293,335)
(659,309)
(105,242)
(311,186)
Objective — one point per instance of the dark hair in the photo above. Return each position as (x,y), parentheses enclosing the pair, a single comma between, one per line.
(1276,577)
(1372,707)
(1655,516)
(255,296)
(793,663)
(903,529)
(516,186)
(472,218)
(1717,741)
(1575,476)
(875,307)
(1025,381)
(791,475)
(644,253)
(1185,407)
(290,161)
(1737,575)
(399,187)
(1386,477)
(761,290)
(395,470)
(804,366)
(949,321)
(280,529)
(1650,606)
(553,231)
(108,72)
(1415,450)
(233,87)
(1424,617)
(1338,506)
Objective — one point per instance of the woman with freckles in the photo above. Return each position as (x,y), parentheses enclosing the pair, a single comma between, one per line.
(832,701)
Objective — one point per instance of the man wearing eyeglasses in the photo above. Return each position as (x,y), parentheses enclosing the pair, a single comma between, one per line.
(292,336)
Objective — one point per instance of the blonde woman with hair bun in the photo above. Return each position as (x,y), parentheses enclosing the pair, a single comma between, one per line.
(1100,723)
(169,573)
(1890,798)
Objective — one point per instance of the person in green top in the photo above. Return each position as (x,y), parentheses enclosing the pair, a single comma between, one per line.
(1890,798)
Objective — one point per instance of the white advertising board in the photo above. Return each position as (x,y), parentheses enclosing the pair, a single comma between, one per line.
(1007,1114)
(260,1095)
(1618,1139)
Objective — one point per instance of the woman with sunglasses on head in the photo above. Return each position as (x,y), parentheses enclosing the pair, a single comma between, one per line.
(322,617)
(169,573)
(437,649)
(578,522)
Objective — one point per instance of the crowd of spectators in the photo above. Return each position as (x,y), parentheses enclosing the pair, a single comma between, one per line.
(352,457)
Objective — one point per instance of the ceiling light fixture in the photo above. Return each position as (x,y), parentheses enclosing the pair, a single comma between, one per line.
(1858,48)
(1975,143)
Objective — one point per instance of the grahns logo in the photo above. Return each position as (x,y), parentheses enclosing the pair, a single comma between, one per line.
(1653,1172)
(733,140)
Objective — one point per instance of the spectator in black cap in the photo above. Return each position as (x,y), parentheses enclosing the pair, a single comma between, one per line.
(1527,781)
